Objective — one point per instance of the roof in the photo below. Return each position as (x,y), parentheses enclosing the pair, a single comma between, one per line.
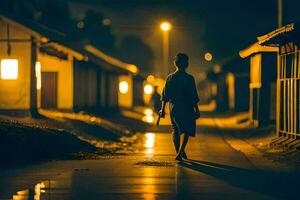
(256,48)
(281,35)
(43,34)
(133,69)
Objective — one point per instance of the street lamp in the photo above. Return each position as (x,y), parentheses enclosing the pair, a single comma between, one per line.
(165,27)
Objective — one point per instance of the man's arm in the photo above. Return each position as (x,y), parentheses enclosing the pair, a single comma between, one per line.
(162,112)
(197,111)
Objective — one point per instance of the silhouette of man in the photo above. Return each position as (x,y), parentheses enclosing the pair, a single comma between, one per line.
(155,100)
(180,91)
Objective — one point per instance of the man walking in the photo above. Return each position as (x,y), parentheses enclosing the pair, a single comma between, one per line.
(180,91)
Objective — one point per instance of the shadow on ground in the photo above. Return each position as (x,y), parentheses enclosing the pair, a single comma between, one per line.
(279,185)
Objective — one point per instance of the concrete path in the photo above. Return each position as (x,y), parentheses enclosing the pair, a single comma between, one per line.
(215,171)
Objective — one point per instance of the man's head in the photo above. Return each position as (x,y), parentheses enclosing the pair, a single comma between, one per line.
(181,61)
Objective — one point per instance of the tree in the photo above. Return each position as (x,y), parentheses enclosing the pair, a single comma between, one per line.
(94,31)
(134,50)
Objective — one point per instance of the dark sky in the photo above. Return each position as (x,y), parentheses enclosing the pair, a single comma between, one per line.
(222,27)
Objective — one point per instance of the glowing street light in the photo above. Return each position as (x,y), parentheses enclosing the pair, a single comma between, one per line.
(165,26)
(208,56)
(148,89)
(123,87)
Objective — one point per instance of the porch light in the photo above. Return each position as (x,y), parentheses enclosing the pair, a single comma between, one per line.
(148,89)
(123,87)
(38,75)
(9,69)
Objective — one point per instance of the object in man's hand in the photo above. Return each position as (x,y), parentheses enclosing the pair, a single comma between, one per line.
(162,113)
(197,115)
(158,120)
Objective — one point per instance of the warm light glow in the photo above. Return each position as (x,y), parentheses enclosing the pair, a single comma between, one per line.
(217,69)
(9,69)
(165,26)
(150,140)
(208,56)
(106,22)
(150,78)
(148,111)
(38,75)
(123,87)
(148,89)
(148,119)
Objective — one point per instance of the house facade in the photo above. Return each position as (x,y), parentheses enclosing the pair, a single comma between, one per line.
(39,70)
(262,86)
(287,39)
(36,71)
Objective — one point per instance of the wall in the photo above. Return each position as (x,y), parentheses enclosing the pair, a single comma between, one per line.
(14,94)
(86,87)
(65,78)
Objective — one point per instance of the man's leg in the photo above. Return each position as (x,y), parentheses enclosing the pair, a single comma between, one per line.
(184,142)
(176,140)
(176,135)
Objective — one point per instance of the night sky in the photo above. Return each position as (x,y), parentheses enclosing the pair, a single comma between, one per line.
(220,27)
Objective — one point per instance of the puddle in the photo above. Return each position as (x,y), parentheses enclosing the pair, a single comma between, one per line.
(156,163)
(50,189)
(34,193)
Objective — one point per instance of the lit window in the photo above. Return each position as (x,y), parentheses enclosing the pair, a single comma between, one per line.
(9,69)
(123,87)
(38,75)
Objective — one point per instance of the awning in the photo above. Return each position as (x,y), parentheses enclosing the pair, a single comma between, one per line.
(256,48)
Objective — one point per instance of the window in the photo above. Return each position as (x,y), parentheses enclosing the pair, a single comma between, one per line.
(9,69)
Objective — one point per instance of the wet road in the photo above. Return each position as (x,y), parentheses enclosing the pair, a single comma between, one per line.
(214,171)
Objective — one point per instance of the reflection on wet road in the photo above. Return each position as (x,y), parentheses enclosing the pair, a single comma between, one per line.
(216,171)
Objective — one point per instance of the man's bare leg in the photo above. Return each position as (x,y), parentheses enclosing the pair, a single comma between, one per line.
(184,142)
(176,141)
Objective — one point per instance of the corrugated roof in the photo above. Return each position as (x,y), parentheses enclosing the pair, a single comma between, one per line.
(42,33)
(269,38)
(111,60)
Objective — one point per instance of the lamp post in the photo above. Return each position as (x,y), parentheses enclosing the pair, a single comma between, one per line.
(279,13)
(165,27)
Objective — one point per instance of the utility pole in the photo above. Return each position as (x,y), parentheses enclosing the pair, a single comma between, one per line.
(279,13)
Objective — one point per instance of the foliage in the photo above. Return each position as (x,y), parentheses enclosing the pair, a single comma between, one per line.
(134,50)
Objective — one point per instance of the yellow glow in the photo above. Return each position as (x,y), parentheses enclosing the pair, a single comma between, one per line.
(123,87)
(38,75)
(9,69)
(150,78)
(148,89)
(150,140)
(148,118)
(148,111)
(165,26)
(208,56)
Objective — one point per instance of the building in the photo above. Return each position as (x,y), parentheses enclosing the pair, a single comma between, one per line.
(31,54)
(287,39)
(262,86)
(232,79)
(120,83)
(40,70)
